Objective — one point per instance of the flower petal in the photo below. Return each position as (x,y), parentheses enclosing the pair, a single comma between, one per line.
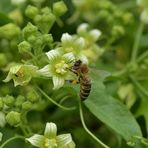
(8,78)
(15,69)
(66,38)
(58,82)
(52,54)
(45,71)
(69,57)
(50,130)
(83,58)
(80,42)
(95,33)
(65,141)
(82,28)
(36,140)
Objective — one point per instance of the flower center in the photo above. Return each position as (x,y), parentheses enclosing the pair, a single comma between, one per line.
(20,73)
(50,143)
(61,68)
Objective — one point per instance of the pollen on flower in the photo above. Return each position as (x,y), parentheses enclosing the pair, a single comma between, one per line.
(50,143)
(61,68)
(20,73)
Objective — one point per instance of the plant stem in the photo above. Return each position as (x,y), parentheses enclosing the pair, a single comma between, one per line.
(136,43)
(54,102)
(139,86)
(142,56)
(11,139)
(87,130)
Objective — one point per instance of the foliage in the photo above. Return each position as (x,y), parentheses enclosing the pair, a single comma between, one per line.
(41,40)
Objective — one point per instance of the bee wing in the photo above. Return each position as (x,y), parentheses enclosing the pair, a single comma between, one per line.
(97,74)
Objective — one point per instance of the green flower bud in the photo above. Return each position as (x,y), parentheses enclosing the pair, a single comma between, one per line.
(33,96)
(118,30)
(3,59)
(24,47)
(1,103)
(59,8)
(9,31)
(31,11)
(31,39)
(47,38)
(19,101)
(9,100)
(27,105)
(29,30)
(2,119)
(45,10)
(37,2)
(44,22)
(13,118)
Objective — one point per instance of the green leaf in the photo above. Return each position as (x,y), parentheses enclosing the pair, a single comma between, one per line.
(112,112)
(6,6)
(4,19)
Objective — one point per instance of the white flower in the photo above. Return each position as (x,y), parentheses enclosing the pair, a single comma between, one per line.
(58,67)
(50,138)
(21,74)
(73,44)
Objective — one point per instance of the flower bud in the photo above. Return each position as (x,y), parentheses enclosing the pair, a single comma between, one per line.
(26,105)
(47,38)
(13,118)
(33,96)
(29,30)
(9,100)
(24,47)
(1,103)
(9,31)
(2,119)
(31,11)
(45,10)
(59,8)
(118,31)
(31,39)
(3,59)
(19,101)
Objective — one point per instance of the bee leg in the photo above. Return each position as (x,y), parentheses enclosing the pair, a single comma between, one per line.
(75,72)
(73,81)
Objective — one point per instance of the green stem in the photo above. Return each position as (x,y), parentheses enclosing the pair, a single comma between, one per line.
(11,139)
(87,130)
(142,56)
(119,73)
(137,41)
(54,102)
(139,86)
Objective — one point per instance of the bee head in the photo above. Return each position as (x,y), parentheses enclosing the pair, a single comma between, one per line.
(78,63)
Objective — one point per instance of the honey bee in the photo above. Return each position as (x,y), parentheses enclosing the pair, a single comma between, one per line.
(82,71)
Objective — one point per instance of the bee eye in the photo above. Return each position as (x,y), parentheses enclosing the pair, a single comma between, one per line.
(77,63)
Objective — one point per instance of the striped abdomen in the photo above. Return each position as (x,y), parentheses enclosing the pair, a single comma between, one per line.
(85,87)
